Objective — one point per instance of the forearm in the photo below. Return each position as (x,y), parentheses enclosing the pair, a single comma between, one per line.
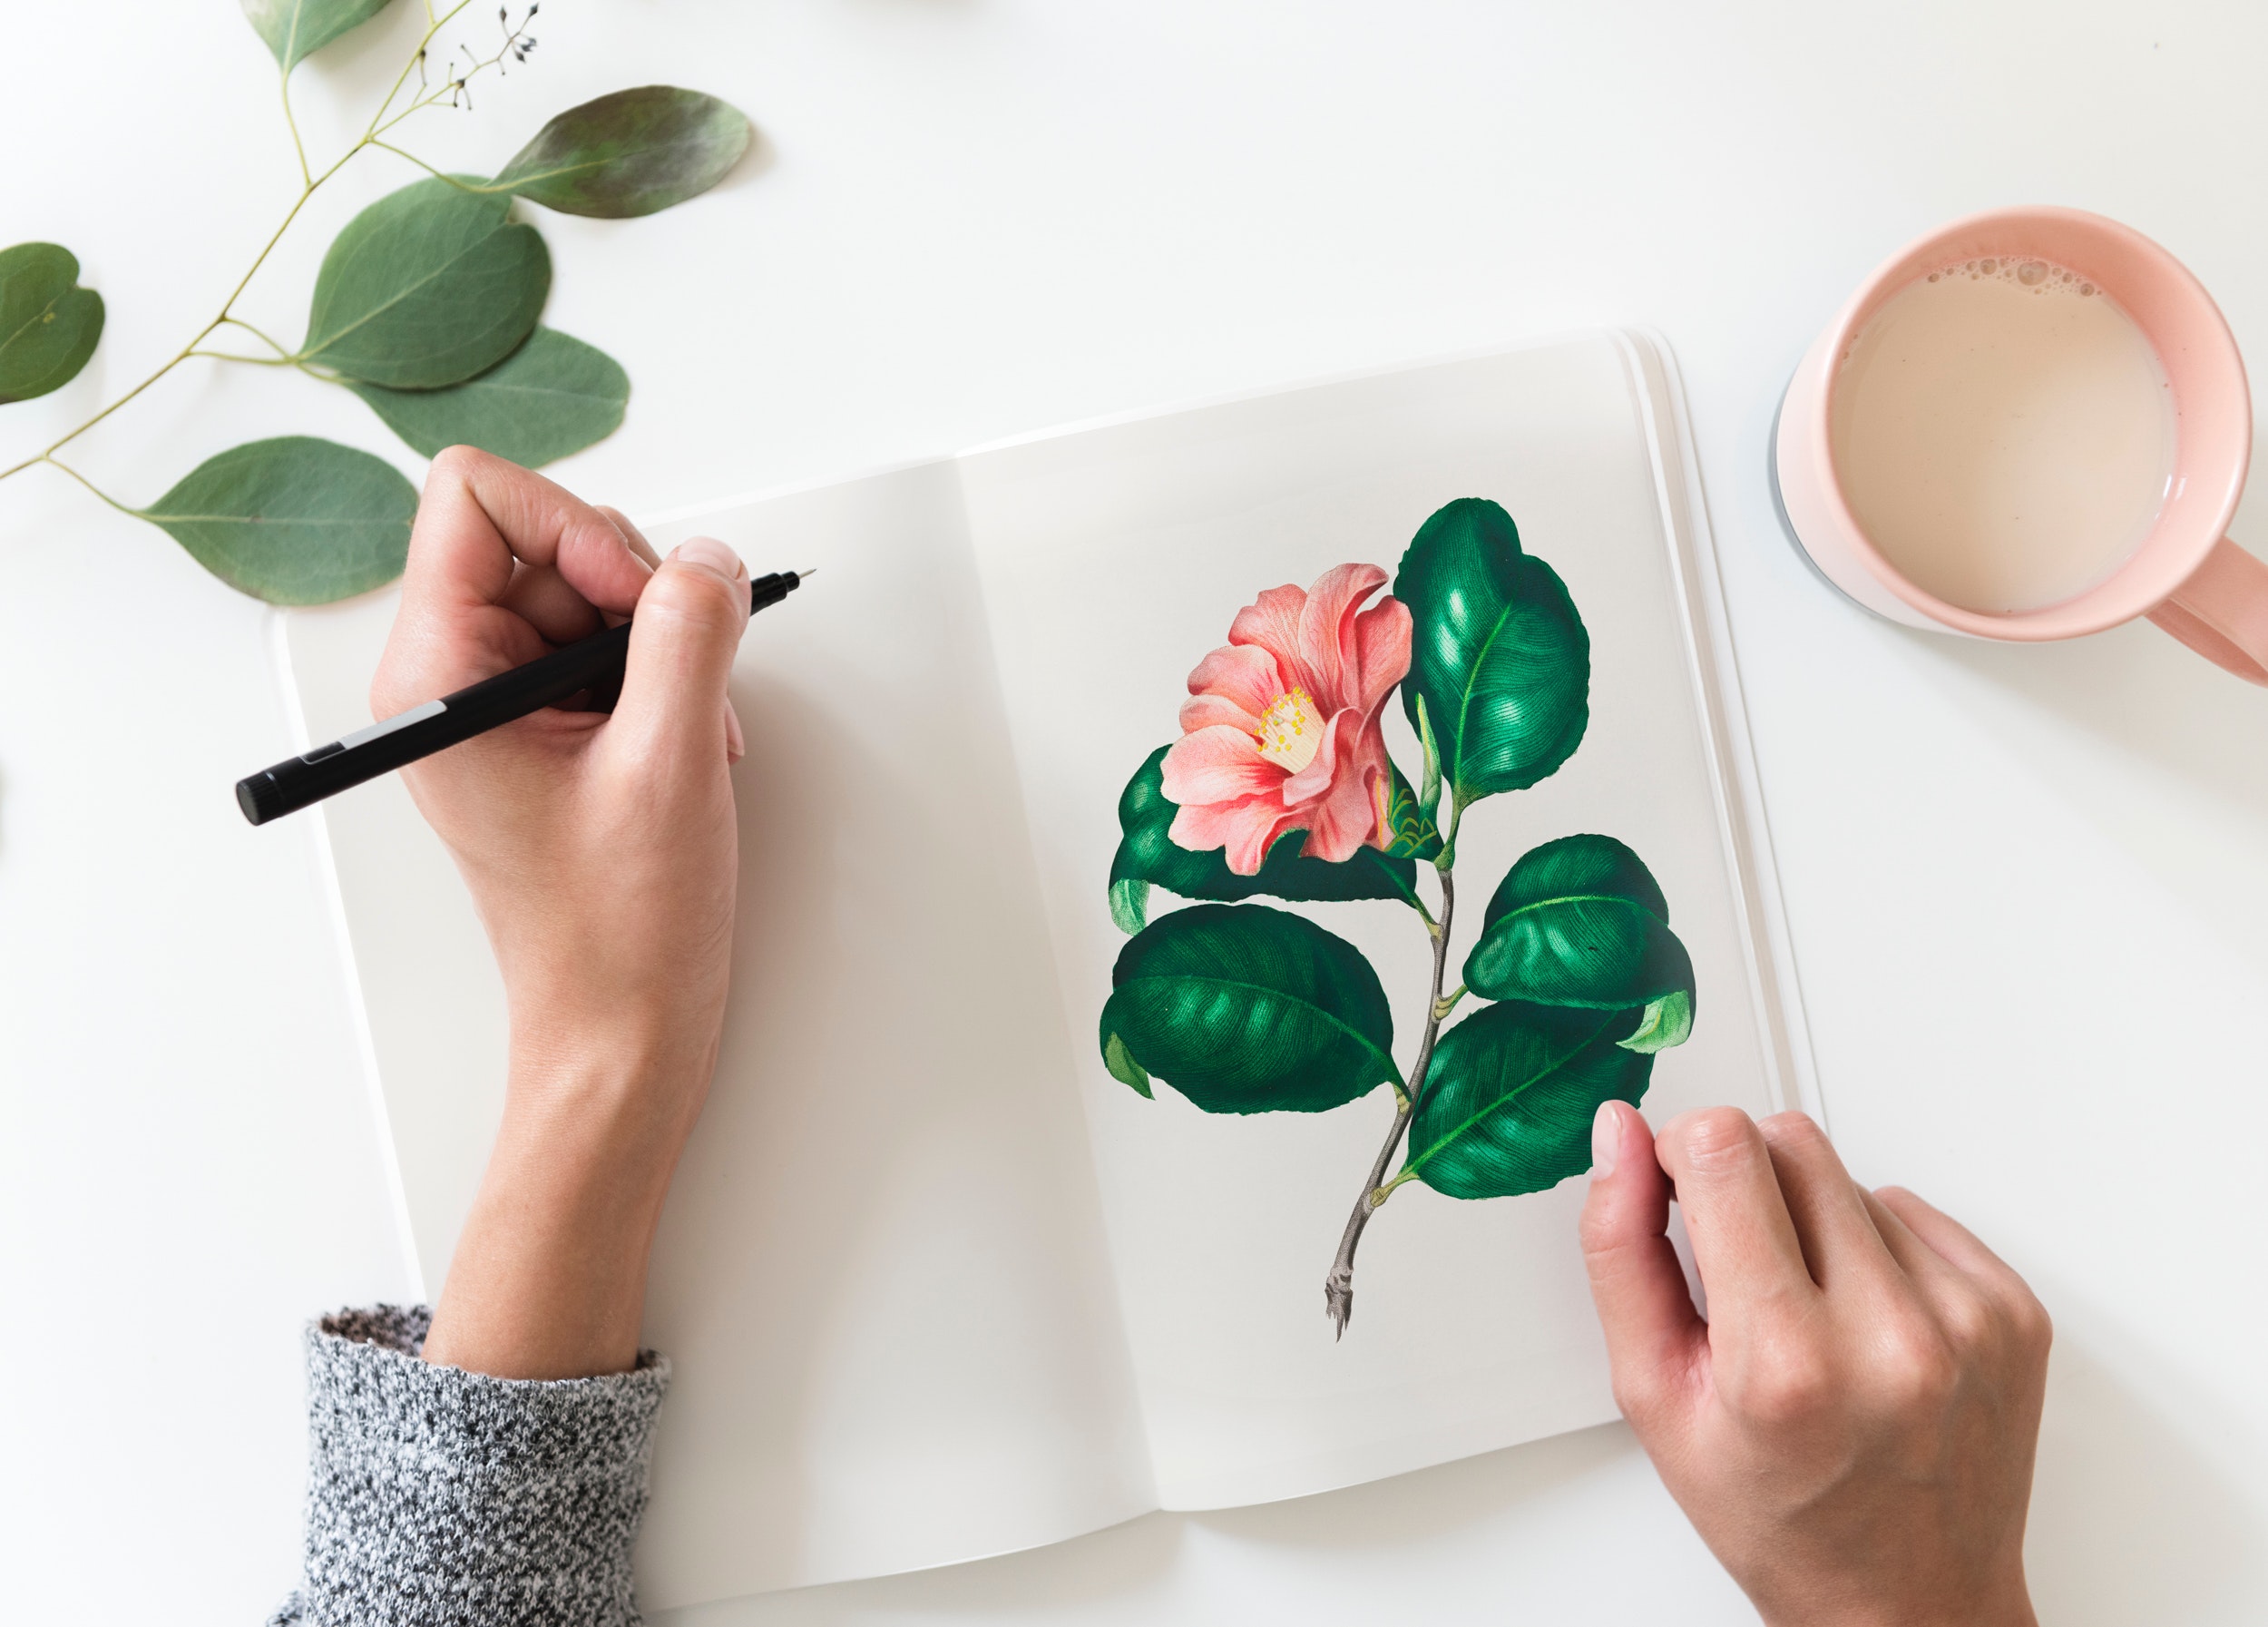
(548,1279)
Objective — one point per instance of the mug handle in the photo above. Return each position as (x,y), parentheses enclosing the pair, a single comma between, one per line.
(2222,611)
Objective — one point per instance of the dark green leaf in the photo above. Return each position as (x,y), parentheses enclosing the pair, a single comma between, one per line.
(1247,1009)
(294,28)
(1497,651)
(1510,1095)
(1581,921)
(629,153)
(552,396)
(1147,854)
(427,286)
(48,324)
(294,520)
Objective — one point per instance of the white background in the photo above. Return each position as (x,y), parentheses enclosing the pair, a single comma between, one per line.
(2025,884)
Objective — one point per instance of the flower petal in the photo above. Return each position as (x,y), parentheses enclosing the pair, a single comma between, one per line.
(1347,816)
(1382,654)
(1245,674)
(1327,631)
(1247,828)
(1204,711)
(1218,764)
(1272,622)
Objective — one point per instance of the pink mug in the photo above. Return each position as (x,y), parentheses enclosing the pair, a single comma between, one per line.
(2187,575)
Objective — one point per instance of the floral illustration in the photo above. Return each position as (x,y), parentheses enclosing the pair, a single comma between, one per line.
(1281,786)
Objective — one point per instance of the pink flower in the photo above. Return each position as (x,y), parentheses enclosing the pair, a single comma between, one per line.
(1280,731)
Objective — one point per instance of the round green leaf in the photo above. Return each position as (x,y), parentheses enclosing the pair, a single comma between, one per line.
(294,520)
(629,153)
(1497,651)
(294,28)
(427,286)
(552,396)
(1148,855)
(1581,921)
(48,324)
(1247,1009)
(1510,1095)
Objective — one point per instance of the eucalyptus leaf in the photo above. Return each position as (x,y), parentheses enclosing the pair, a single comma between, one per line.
(294,520)
(427,286)
(629,153)
(294,28)
(48,323)
(552,396)
(1147,854)
(1243,1008)
(1581,921)
(1511,1094)
(1497,651)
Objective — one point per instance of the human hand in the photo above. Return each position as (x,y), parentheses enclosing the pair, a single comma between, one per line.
(1851,1430)
(602,853)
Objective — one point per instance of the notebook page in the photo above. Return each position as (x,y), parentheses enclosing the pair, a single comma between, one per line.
(880,1275)
(1113,560)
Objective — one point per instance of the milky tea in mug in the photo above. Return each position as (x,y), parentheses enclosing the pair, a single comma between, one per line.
(2003,432)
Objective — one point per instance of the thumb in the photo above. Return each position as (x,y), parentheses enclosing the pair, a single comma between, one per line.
(1653,1331)
(687,626)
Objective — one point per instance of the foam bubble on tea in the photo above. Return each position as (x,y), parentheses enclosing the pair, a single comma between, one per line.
(2004,432)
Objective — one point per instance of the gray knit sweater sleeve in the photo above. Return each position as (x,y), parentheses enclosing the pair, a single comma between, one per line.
(442,1498)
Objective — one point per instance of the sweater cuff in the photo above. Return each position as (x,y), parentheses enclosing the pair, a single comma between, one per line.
(439,1496)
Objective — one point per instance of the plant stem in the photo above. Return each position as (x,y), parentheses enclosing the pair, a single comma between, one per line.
(90,485)
(1338,1287)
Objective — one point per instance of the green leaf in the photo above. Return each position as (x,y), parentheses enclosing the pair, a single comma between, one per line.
(629,153)
(1129,905)
(1123,1067)
(294,28)
(1497,651)
(552,396)
(1247,1009)
(294,520)
(1581,921)
(48,324)
(1410,830)
(427,286)
(1429,798)
(1510,1095)
(1148,853)
(1667,1022)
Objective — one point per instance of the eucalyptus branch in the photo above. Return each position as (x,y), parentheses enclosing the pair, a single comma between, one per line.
(84,481)
(1338,1287)
(515,42)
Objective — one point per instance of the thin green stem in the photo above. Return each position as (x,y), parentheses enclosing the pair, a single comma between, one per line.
(421,163)
(1447,1002)
(255,361)
(283,351)
(307,176)
(90,485)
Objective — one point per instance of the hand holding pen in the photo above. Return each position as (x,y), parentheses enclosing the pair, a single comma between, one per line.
(600,850)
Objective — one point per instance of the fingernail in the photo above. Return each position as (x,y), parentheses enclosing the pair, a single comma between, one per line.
(711,555)
(1606,1139)
(736,743)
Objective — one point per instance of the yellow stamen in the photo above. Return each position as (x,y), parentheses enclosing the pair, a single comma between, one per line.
(1291,732)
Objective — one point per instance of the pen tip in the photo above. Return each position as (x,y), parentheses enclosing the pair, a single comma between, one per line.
(814,571)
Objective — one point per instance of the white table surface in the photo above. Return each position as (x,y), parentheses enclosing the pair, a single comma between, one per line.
(2025,884)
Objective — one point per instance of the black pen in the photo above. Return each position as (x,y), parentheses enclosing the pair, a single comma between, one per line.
(594,663)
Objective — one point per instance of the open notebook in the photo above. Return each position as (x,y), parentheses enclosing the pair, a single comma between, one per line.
(937,1281)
